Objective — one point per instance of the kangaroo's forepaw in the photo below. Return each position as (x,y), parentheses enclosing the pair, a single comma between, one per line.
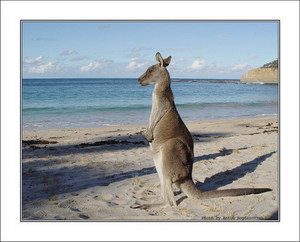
(148,137)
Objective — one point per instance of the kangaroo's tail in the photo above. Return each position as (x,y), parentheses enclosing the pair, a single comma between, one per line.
(190,189)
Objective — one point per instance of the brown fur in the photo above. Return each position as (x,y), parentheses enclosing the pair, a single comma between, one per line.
(172,143)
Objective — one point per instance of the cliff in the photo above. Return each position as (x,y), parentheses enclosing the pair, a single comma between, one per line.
(268,73)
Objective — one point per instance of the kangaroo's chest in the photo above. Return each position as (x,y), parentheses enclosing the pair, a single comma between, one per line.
(155,106)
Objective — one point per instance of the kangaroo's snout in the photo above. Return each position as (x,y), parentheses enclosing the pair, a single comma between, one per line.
(142,81)
(144,84)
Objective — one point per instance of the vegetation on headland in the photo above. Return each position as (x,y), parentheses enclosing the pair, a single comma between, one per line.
(273,64)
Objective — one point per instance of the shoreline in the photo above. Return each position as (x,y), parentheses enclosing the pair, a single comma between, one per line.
(145,125)
(98,173)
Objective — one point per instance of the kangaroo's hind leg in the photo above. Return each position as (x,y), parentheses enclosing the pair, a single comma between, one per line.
(167,195)
(160,161)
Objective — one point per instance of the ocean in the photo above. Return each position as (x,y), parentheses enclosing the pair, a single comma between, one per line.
(97,102)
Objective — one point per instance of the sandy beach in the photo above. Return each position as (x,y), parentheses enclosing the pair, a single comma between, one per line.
(96,174)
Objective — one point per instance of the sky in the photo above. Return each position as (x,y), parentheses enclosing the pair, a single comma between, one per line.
(103,49)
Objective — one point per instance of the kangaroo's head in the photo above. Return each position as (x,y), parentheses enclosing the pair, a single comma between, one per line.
(155,73)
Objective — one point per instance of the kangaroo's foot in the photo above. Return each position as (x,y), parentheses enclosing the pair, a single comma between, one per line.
(165,203)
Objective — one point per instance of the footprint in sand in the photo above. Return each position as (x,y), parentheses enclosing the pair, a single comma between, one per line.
(107,196)
(67,204)
(75,209)
(40,214)
(142,194)
(111,204)
(111,200)
(83,216)
(71,204)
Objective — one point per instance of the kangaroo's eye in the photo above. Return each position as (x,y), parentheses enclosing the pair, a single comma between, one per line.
(150,71)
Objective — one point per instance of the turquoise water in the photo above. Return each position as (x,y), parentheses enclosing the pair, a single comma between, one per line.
(71,103)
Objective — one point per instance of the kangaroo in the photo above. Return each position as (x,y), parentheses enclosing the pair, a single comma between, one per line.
(172,143)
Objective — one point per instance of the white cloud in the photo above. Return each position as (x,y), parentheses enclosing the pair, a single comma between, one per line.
(136,64)
(239,67)
(96,65)
(45,68)
(34,60)
(68,52)
(197,64)
(91,66)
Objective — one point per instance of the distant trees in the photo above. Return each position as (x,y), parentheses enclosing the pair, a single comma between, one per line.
(273,64)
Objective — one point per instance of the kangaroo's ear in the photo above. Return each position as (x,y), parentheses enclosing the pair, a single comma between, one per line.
(159,59)
(167,61)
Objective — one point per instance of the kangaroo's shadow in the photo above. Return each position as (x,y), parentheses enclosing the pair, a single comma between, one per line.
(227,177)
